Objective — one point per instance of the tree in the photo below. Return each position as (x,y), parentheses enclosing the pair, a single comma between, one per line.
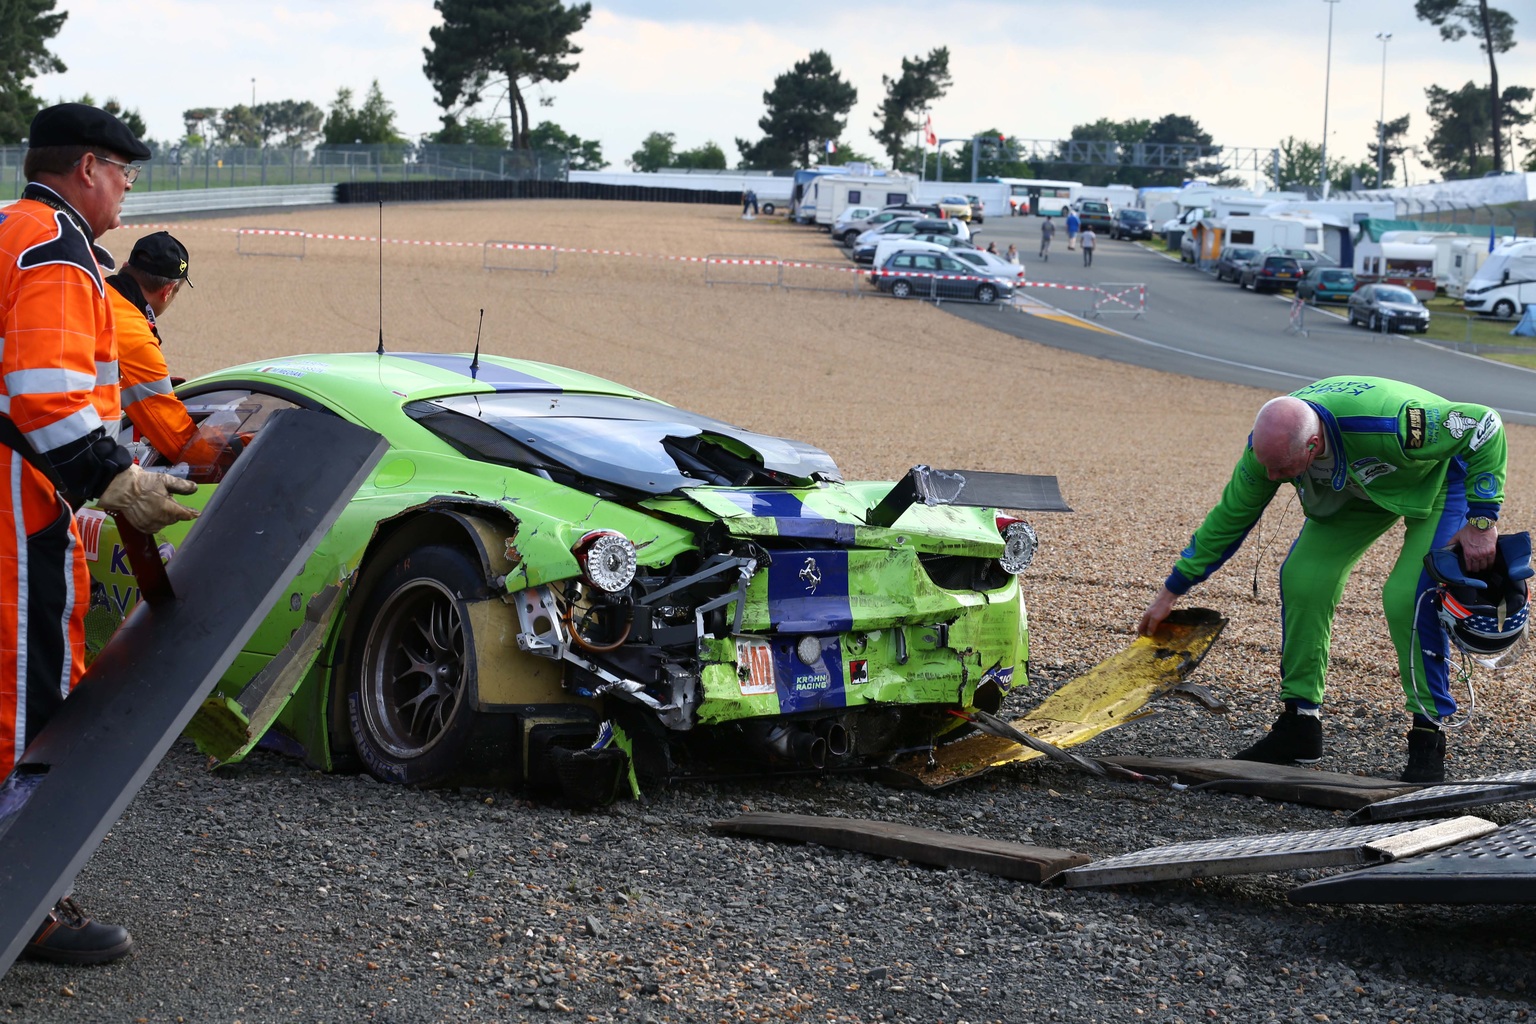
(26,26)
(1301,168)
(196,121)
(473,131)
(708,157)
(1394,142)
(1461,137)
(582,154)
(1495,32)
(240,126)
(807,107)
(923,81)
(655,152)
(131,118)
(373,122)
(291,122)
(511,44)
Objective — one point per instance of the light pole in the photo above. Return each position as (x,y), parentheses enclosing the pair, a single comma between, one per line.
(1327,82)
(1381,120)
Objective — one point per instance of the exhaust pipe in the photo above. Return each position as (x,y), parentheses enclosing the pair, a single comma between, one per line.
(836,735)
(796,746)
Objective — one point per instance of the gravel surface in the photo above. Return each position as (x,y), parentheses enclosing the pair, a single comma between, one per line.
(266,892)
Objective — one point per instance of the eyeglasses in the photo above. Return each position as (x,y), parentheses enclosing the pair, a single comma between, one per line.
(130,171)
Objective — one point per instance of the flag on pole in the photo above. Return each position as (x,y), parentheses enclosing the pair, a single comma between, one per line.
(1490,238)
(928,136)
(831,146)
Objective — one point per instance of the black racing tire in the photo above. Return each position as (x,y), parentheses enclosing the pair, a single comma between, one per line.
(1504,309)
(901,289)
(410,673)
(986,293)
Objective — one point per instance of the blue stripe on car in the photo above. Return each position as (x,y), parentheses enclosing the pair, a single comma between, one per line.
(791,516)
(500,377)
(805,687)
(808,592)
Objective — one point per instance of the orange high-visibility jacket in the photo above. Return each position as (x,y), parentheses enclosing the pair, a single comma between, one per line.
(157,414)
(58,384)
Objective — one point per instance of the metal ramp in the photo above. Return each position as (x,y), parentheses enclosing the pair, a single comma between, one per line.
(1495,868)
(1456,796)
(1352,846)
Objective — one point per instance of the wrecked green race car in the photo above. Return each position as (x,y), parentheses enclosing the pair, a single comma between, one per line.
(554,581)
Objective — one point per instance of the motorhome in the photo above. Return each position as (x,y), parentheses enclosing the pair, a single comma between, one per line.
(1266,232)
(1505,285)
(1410,264)
(1117,196)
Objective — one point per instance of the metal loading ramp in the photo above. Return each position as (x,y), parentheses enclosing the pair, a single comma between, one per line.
(1352,846)
(1455,796)
(1496,868)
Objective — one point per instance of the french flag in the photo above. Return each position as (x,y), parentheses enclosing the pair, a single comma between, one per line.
(831,146)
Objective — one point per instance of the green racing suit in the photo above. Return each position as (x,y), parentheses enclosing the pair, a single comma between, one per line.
(1393,452)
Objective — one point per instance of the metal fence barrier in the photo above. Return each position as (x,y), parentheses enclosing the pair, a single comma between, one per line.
(1118,297)
(526,257)
(730,268)
(811,276)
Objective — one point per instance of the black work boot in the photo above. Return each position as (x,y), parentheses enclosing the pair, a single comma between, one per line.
(1426,755)
(69,936)
(1295,738)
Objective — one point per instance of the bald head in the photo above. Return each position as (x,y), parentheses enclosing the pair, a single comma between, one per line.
(1287,436)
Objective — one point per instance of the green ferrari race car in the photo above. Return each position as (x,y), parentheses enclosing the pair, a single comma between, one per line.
(552,580)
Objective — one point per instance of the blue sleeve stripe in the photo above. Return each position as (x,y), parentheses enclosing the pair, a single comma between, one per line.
(1368,424)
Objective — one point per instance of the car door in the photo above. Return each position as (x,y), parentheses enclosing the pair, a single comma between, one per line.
(958,280)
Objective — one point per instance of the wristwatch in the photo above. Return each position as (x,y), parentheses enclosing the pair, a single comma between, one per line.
(1481,522)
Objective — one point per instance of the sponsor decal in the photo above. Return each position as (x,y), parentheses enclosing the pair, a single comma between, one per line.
(858,672)
(1487,427)
(89,521)
(295,369)
(754,668)
(1366,470)
(1459,424)
(810,575)
(3,216)
(1485,485)
(120,561)
(1416,429)
(1002,676)
(1335,387)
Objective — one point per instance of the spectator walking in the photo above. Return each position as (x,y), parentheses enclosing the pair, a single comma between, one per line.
(1047,232)
(1074,224)
(1366,456)
(1089,241)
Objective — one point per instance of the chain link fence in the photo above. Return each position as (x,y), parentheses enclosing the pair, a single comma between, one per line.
(238,166)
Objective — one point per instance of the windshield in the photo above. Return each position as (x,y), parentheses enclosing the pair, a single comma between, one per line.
(1243,254)
(637,445)
(1396,295)
(1133,215)
(1337,276)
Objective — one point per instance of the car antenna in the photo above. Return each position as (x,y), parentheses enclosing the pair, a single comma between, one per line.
(381,277)
(474,364)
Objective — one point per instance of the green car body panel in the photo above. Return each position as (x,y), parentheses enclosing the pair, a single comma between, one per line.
(796,609)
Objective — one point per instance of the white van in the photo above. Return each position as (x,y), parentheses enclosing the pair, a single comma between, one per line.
(1506,282)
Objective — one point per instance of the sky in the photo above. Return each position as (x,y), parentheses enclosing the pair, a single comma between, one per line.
(1252,72)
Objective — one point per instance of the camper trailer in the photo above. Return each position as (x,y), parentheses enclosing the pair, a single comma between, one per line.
(1269,232)
(832,195)
(1410,264)
(1505,285)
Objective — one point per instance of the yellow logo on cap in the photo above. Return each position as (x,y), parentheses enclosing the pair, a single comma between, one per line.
(183,266)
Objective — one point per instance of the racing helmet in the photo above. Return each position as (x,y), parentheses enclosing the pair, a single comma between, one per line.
(1484,612)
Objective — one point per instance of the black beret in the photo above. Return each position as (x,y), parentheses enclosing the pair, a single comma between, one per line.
(160,254)
(78,124)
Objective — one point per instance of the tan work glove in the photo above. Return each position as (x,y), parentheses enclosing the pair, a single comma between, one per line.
(145,498)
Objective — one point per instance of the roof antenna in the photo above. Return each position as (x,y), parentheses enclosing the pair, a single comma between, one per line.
(381,277)
(474,364)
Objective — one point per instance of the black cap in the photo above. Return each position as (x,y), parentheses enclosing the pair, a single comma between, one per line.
(160,254)
(79,124)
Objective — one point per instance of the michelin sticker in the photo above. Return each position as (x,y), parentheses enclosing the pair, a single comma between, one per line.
(1489,426)
(1458,424)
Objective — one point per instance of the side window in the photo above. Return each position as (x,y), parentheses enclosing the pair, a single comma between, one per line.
(950,266)
(1242,237)
(930,263)
(853,195)
(902,261)
(891,198)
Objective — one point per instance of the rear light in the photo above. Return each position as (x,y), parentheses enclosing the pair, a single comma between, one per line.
(1019,544)
(607,559)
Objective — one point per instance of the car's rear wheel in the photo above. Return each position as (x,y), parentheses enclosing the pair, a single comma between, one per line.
(901,289)
(410,676)
(986,293)
(1504,309)
(1374,323)
(768,208)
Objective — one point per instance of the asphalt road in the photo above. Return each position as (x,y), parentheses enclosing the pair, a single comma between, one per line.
(1196,326)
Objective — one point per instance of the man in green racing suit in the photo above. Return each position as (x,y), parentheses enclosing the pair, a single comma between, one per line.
(1362,453)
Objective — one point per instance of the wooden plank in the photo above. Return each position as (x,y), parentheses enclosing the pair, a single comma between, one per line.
(1286,783)
(920,845)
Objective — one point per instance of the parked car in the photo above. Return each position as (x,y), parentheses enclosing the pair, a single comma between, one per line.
(1097,214)
(874,222)
(864,248)
(1189,248)
(1392,306)
(552,578)
(978,209)
(1129,223)
(923,209)
(1327,284)
(955,206)
(1305,258)
(1270,273)
(1229,267)
(937,275)
(852,222)
(929,241)
(989,264)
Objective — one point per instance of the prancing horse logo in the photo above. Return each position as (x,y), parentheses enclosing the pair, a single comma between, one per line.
(811,574)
